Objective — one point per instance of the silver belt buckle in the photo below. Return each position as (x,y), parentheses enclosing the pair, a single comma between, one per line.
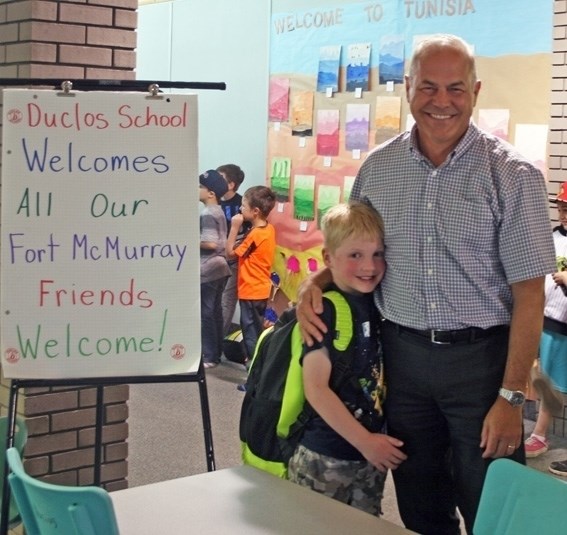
(434,341)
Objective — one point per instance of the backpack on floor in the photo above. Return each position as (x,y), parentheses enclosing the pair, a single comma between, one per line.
(233,347)
(274,411)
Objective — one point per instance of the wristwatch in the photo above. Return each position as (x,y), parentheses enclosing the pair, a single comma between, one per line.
(516,398)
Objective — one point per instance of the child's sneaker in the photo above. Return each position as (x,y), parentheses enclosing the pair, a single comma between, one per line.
(558,467)
(534,446)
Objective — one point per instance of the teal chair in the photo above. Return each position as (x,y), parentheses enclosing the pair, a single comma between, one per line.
(49,509)
(518,500)
(20,439)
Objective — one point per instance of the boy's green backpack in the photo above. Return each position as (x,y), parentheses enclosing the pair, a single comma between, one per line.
(274,411)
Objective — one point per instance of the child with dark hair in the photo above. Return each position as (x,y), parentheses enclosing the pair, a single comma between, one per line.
(230,204)
(255,254)
(214,267)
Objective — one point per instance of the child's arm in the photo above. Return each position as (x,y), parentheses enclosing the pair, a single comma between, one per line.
(379,449)
(208,245)
(235,224)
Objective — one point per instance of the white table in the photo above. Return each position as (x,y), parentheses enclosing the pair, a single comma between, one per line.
(239,500)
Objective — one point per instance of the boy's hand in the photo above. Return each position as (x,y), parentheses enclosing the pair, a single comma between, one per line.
(383,451)
(560,278)
(236,221)
(309,305)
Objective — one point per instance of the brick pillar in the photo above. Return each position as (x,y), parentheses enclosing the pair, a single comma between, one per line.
(557,160)
(82,39)
(557,144)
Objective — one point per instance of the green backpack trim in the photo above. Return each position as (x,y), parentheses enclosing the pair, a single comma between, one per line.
(293,410)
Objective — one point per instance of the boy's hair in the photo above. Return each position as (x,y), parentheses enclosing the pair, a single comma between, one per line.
(343,221)
(233,174)
(261,197)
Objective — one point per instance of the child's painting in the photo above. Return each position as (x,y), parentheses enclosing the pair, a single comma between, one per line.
(348,182)
(531,142)
(279,99)
(358,67)
(387,118)
(304,197)
(495,121)
(356,126)
(328,133)
(329,63)
(302,113)
(280,178)
(391,59)
(327,196)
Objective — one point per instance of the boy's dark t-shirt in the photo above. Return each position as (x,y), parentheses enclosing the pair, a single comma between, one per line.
(231,207)
(363,391)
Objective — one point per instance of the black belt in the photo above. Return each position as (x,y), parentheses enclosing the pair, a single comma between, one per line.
(468,336)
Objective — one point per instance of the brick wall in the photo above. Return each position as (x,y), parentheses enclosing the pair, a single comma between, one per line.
(557,145)
(82,39)
(93,39)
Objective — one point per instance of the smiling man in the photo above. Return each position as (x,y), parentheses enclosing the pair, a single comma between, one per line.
(467,245)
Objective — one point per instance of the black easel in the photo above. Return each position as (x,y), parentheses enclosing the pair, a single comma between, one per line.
(153,87)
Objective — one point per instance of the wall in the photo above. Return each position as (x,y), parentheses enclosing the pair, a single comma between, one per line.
(215,41)
(557,161)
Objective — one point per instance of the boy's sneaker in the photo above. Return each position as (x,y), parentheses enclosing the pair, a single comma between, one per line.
(558,467)
(534,446)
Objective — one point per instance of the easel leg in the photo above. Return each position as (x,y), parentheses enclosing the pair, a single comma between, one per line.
(98,434)
(9,442)
(206,414)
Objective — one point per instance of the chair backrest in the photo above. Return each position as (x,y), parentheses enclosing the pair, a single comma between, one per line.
(49,509)
(518,500)
(20,438)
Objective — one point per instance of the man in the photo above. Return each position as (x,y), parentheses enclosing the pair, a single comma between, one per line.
(467,247)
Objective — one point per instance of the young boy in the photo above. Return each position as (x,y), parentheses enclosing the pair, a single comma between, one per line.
(214,267)
(230,204)
(343,453)
(255,255)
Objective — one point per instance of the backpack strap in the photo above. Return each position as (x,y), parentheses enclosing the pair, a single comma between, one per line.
(344,338)
(342,344)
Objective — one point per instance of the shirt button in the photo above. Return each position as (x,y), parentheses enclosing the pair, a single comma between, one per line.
(430,271)
(429,239)
(433,306)
(434,173)
(429,205)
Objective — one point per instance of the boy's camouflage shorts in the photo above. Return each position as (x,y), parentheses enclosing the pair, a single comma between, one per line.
(355,483)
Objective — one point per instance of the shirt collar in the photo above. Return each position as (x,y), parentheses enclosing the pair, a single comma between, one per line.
(471,135)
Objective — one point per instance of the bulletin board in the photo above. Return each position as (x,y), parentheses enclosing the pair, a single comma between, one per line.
(337,91)
(99,234)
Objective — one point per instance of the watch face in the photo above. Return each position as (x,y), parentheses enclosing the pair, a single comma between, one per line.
(517,398)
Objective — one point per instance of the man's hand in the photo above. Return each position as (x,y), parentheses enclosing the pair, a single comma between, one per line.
(502,430)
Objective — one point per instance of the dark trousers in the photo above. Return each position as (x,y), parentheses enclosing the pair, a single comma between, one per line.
(252,322)
(211,319)
(438,396)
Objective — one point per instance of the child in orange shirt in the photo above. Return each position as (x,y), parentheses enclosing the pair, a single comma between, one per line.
(255,255)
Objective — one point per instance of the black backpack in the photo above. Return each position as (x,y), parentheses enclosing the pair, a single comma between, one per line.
(274,411)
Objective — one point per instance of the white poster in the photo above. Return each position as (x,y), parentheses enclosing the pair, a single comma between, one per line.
(99,235)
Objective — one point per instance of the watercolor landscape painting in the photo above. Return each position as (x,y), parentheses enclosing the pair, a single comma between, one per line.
(358,67)
(279,99)
(391,59)
(328,72)
(356,126)
(328,132)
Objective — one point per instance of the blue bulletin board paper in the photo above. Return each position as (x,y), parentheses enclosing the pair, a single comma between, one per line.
(99,235)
